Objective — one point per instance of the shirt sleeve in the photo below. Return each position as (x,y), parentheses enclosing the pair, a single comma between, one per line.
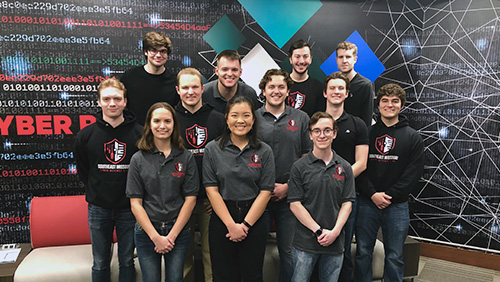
(268,175)
(209,166)
(295,185)
(368,91)
(349,192)
(306,142)
(82,161)
(135,185)
(362,138)
(191,184)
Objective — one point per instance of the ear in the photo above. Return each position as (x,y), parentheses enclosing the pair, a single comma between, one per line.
(177,89)
(324,94)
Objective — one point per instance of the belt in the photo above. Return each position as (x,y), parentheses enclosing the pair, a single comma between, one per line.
(240,204)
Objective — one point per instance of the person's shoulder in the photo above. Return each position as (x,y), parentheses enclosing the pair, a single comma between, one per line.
(315,81)
(211,84)
(246,89)
(360,79)
(132,71)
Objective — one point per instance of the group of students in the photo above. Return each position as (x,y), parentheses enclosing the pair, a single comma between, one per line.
(158,165)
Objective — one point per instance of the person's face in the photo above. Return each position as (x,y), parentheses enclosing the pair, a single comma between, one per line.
(346,60)
(322,133)
(190,90)
(112,102)
(301,59)
(276,91)
(240,119)
(390,107)
(228,71)
(336,91)
(157,57)
(162,124)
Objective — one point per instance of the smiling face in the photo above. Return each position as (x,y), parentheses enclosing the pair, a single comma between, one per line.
(276,91)
(389,108)
(346,60)
(157,57)
(162,124)
(112,102)
(322,134)
(240,119)
(228,71)
(336,91)
(301,60)
(190,90)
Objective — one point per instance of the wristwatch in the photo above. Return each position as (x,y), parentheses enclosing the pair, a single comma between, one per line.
(319,231)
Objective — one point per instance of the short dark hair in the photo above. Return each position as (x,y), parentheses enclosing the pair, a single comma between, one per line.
(111,82)
(348,46)
(391,89)
(336,75)
(253,140)
(231,55)
(146,141)
(319,115)
(154,40)
(297,45)
(267,77)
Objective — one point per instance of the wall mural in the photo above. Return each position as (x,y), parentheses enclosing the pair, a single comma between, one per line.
(444,53)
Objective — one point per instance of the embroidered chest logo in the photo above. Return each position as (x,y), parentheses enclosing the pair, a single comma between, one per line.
(384,144)
(115,151)
(292,125)
(255,161)
(196,136)
(339,173)
(296,100)
(179,170)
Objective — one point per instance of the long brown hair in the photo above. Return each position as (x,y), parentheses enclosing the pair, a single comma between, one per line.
(146,142)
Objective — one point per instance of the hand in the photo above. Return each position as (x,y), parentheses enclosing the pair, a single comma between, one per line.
(381,200)
(328,237)
(208,209)
(163,244)
(237,232)
(280,192)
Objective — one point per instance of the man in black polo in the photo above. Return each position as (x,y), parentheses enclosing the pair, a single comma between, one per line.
(285,129)
(198,124)
(228,84)
(351,144)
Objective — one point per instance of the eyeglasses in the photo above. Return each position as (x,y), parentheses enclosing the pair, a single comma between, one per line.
(162,52)
(317,132)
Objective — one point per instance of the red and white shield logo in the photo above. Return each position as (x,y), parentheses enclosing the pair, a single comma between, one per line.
(115,151)
(384,144)
(296,100)
(292,122)
(196,136)
(179,167)
(255,158)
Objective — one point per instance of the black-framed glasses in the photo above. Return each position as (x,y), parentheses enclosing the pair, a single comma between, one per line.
(162,52)
(317,132)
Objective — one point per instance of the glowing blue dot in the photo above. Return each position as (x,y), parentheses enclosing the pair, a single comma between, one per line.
(154,18)
(64,95)
(72,168)
(482,44)
(7,145)
(186,61)
(106,71)
(443,132)
(459,227)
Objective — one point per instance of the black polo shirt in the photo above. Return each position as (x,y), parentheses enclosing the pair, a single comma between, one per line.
(211,95)
(287,135)
(162,183)
(321,189)
(240,175)
(351,132)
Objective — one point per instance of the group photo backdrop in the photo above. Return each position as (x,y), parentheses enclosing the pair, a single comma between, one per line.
(445,55)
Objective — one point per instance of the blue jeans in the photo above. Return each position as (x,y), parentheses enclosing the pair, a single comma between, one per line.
(304,262)
(395,221)
(349,227)
(284,221)
(150,260)
(102,222)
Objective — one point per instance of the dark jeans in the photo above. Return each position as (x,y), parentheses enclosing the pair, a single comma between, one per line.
(348,265)
(284,221)
(102,222)
(241,261)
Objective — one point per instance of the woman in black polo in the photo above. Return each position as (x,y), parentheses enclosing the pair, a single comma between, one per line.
(162,185)
(238,174)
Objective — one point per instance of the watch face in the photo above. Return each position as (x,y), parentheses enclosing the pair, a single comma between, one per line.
(319,231)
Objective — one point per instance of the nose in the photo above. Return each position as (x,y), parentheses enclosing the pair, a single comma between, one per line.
(190,90)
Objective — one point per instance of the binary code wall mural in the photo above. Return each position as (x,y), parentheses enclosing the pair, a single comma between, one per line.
(444,53)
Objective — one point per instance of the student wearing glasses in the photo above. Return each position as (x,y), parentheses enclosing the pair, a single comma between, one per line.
(151,82)
(320,192)
(238,175)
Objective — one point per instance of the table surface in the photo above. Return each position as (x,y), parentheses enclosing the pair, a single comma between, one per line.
(7,270)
